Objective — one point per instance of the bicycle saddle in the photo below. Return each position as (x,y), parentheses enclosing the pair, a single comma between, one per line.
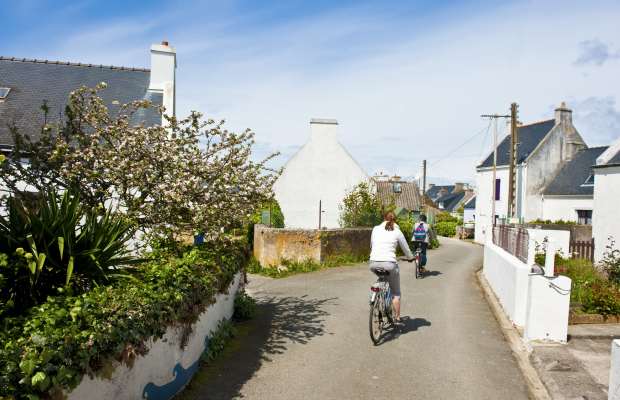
(381,272)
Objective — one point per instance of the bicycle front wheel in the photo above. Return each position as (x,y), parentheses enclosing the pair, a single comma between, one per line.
(417,268)
(375,322)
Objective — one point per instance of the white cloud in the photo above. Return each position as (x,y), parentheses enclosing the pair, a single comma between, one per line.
(594,52)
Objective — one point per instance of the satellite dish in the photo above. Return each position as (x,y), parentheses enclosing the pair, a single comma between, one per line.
(418,175)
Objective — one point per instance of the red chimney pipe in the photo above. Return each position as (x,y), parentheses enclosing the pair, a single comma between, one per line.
(563,105)
(164,43)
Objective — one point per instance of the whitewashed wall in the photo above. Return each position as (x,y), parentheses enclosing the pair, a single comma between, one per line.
(562,238)
(565,207)
(485,194)
(606,221)
(508,277)
(547,308)
(167,368)
(322,170)
(614,376)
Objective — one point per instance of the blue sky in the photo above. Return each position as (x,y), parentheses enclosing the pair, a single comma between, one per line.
(407,80)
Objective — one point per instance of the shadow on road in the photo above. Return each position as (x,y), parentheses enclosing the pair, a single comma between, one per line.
(277,322)
(430,273)
(394,332)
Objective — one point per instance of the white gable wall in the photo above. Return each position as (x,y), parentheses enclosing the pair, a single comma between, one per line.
(605,218)
(322,170)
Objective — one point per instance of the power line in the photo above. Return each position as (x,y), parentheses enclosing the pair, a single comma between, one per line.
(461,146)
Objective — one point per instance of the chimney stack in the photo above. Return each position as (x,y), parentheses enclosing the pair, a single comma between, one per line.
(458,187)
(430,186)
(396,178)
(564,115)
(163,75)
(324,129)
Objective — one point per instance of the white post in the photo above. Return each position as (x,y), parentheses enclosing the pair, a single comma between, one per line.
(550,260)
(531,250)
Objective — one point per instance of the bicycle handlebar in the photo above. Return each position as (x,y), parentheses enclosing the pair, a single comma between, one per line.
(404,259)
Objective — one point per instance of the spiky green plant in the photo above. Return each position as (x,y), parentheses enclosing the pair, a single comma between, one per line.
(61,246)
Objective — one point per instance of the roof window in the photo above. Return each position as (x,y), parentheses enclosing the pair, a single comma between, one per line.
(589,181)
(4,91)
(397,188)
(518,144)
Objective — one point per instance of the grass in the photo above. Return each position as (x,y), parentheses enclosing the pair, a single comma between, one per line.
(304,267)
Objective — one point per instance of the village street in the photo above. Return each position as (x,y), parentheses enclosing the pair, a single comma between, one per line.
(310,338)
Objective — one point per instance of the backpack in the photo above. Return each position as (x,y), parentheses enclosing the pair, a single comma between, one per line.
(419,233)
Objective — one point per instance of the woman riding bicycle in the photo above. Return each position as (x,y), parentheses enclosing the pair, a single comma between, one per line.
(383,242)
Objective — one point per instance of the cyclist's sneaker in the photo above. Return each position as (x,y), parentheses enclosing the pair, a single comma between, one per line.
(423,270)
(398,322)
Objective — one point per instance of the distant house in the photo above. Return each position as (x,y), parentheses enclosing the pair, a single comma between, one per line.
(469,210)
(434,192)
(26,83)
(406,194)
(570,195)
(542,150)
(453,201)
(320,172)
(606,221)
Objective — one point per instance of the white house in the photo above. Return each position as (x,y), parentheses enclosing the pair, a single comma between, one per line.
(542,149)
(469,210)
(321,171)
(570,195)
(606,223)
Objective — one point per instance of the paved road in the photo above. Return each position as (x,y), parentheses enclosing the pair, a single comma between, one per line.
(311,338)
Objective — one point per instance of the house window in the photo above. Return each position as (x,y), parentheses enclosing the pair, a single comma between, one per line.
(518,144)
(497,185)
(584,217)
(589,181)
(440,205)
(397,188)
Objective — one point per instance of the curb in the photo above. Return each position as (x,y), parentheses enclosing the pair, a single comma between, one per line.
(519,351)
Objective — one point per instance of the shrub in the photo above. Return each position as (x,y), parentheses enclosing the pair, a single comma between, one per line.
(549,222)
(602,300)
(67,337)
(50,250)
(446,217)
(245,306)
(611,262)
(447,229)
(366,201)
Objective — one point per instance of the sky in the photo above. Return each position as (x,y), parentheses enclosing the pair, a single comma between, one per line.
(406,80)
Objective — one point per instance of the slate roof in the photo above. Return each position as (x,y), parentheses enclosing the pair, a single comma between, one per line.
(614,160)
(450,200)
(529,136)
(574,172)
(32,81)
(433,192)
(471,203)
(410,196)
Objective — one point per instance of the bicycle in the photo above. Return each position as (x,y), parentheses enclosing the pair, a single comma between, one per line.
(418,264)
(381,308)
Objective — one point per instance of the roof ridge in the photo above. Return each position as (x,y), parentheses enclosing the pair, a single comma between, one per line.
(35,61)
(593,148)
(534,123)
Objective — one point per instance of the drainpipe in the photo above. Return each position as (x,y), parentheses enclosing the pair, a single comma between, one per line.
(543,207)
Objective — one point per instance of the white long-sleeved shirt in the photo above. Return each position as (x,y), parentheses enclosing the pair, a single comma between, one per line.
(383,243)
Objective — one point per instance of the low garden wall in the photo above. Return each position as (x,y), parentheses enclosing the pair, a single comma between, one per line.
(582,233)
(273,244)
(508,277)
(170,362)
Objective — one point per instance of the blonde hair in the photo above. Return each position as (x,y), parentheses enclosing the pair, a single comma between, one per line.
(390,217)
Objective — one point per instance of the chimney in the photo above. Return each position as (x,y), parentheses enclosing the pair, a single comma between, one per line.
(430,186)
(458,187)
(396,178)
(442,192)
(564,115)
(325,130)
(163,74)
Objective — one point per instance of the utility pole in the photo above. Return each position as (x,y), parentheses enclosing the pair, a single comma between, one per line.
(424,182)
(494,186)
(512,173)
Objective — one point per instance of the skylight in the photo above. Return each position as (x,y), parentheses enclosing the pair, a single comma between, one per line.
(589,180)
(4,92)
(518,144)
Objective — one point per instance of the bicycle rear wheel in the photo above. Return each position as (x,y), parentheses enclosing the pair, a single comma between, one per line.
(375,322)
(417,268)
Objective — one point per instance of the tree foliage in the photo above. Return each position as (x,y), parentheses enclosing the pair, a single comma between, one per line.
(189,175)
(365,199)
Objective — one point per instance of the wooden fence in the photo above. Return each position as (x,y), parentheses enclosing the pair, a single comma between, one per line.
(584,249)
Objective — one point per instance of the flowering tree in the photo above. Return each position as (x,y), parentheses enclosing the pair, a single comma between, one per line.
(188,176)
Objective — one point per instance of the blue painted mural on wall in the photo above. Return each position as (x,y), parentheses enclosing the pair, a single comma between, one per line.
(181,377)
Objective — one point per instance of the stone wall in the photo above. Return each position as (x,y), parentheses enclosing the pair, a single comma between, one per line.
(273,244)
(577,232)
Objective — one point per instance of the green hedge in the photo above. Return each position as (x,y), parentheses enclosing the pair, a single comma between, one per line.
(447,229)
(67,337)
